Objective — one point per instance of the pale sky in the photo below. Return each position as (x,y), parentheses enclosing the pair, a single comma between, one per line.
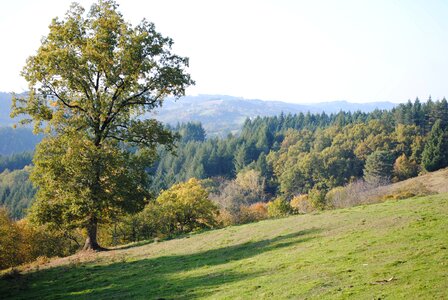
(294,51)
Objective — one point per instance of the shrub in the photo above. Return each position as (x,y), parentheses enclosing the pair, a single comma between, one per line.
(317,198)
(355,193)
(301,204)
(255,212)
(278,208)
(131,228)
(336,197)
(407,191)
(225,218)
(399,195)
(245,190)
(10,239)
(185,207)
(22,242)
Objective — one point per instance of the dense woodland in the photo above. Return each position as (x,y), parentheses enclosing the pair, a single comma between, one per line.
(296,153)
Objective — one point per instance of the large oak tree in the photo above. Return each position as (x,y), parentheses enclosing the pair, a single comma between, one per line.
(90,83)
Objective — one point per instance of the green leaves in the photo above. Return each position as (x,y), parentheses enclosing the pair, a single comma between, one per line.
(101,71)
(77,180)
(91,80)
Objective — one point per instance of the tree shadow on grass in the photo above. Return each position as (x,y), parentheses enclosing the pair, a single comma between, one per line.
(178,276)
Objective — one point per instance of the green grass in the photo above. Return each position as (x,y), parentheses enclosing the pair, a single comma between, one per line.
(392,250)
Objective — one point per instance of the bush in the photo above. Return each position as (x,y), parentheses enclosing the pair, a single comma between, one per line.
(225,218)
(317,198)
(399,195)
(245,190)
(183,208)
(355,193)
(278,208)
(10,240)
(245,214)
(255,212)
(22,242)
(408,191)
(301,204)
(129,228)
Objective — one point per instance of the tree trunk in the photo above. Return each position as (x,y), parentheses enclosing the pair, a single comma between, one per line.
(91,241)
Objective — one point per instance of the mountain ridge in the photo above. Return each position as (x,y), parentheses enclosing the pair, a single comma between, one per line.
(223,114)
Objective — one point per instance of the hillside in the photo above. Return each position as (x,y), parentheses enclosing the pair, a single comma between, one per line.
(426,184)
(433,182)
(396,249)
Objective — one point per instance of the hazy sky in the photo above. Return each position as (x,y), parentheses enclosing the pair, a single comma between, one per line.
(295,51)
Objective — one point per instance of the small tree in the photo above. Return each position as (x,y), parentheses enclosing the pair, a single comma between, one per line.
(405,168)
(252,184)
(185,207)
(378,167)
(245,190)
(435,153)
(316,197)
(91,80)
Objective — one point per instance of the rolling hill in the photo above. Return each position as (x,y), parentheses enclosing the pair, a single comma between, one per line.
(221,114)
(395,249)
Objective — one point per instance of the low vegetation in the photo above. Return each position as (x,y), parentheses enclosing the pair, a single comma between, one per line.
(396,249)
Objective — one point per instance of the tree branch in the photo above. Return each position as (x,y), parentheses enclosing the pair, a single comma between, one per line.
(62,100)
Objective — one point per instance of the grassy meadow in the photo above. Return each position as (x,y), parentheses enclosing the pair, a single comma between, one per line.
(392,250)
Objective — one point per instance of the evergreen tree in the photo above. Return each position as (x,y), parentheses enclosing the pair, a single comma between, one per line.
(435,153)
(378,167)
(191,132)
(240,158)
(442,113)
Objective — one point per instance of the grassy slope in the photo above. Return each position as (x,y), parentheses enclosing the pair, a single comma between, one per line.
(335,254)
(435,182)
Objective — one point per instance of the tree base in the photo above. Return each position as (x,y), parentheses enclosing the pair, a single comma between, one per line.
(92,245)
(96,248)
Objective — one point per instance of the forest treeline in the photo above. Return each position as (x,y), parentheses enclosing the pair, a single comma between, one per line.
(296,153)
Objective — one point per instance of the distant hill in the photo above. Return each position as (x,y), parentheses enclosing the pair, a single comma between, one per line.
(220,114)
(5,109)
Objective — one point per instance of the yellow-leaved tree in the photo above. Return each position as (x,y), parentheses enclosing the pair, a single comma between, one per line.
(183,208)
